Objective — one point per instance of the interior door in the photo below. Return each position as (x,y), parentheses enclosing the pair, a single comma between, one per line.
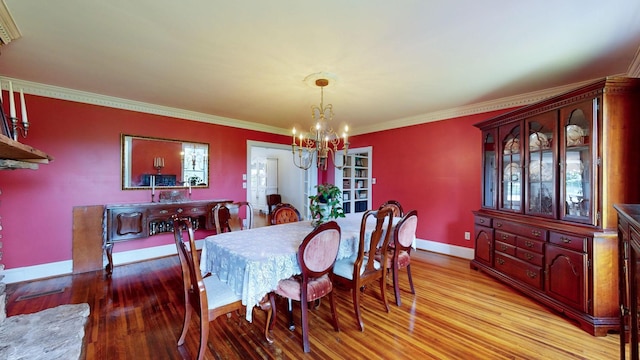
(271,177)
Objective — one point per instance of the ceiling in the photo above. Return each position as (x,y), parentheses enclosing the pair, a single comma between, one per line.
(395,62)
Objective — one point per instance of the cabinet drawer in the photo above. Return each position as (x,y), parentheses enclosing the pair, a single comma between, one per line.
(506,248)
(482,220)
(505,237)
(530,245)
(194,210)
(530,256)
(520,270)
(520,229)
(577,243)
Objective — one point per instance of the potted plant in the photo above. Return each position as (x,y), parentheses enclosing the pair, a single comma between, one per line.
(325,205)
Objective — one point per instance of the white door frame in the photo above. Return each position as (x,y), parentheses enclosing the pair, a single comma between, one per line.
(311,182)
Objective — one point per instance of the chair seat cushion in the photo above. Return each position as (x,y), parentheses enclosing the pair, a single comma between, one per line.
(218,292)
(344,267)
(316,288)
(404,258)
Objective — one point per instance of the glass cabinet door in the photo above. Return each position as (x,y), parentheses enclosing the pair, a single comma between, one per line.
(541,165)
(576,161)
(489,170)
(511,169)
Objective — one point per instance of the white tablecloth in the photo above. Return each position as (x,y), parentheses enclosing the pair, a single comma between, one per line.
(253,261)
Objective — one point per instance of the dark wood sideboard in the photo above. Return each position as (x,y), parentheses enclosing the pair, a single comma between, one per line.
(628,266)
(125,222)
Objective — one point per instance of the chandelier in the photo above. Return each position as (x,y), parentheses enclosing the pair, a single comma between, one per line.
(322,141)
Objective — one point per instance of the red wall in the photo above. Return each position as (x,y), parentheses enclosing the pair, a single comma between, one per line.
(36,206)
(433,167)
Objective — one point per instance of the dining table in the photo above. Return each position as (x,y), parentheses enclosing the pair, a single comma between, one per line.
(253,261)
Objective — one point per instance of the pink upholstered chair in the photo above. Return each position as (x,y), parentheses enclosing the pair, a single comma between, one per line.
(284,213)
(233,217)
(361,269)
(316,256)
(208,297)
(399,253)
(395,206)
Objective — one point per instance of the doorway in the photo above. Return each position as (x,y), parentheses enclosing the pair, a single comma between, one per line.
(270,170)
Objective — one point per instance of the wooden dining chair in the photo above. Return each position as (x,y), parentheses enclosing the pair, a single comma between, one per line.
(316,256)
(395,205)
(361,269)
(399,252)
(233,217)
(272,201)
(285,213)
(209,297)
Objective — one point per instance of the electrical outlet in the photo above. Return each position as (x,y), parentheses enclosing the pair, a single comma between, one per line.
(244,185)
(467,235)
(373,181)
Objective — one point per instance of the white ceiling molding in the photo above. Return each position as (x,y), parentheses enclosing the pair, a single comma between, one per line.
(478,108)
(118,103)
(634,68)
(8,28)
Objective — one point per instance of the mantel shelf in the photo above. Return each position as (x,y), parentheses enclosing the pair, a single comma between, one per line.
(13,150)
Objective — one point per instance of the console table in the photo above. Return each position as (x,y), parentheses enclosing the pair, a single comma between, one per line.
(124,222)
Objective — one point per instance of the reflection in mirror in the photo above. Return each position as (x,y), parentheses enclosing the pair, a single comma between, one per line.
(164,163)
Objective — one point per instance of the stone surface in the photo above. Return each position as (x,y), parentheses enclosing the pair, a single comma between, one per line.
(51,334)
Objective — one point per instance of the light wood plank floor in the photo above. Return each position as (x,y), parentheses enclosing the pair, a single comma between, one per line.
(456,313)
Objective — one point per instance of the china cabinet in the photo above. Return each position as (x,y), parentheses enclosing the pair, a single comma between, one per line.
(551,172)
(355,181)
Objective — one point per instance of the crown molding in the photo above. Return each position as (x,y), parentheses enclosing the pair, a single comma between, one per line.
(634,67)
(124,104)
(8,28)
(472,109)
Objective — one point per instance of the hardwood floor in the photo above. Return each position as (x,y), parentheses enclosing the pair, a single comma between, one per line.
(457,313)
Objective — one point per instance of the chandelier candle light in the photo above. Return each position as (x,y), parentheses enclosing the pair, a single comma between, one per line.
(323,140)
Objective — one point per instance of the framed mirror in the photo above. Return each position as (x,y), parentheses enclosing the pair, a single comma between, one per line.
(163,163)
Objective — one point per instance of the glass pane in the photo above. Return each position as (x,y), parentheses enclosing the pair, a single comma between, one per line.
(540,191)
(511,171)
(489,172)
(577,165)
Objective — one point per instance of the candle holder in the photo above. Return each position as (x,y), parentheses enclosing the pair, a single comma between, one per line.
(158,168)
(17,129)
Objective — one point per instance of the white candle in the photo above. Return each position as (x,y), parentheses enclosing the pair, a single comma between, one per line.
(23,107)
(12,104)
(294,136)
(162,162)
(189,188)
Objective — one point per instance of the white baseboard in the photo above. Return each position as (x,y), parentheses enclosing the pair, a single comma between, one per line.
(440,248)
(125,257)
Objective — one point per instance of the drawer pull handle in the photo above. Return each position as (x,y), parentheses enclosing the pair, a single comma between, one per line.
(500,261)
(532,274)
(503,247)
(528,244)
(194,210)
(505,237)
(179,211)
(481,221)
(528,256)
(164,211)
(535,233)
(565,240)
(498,224)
